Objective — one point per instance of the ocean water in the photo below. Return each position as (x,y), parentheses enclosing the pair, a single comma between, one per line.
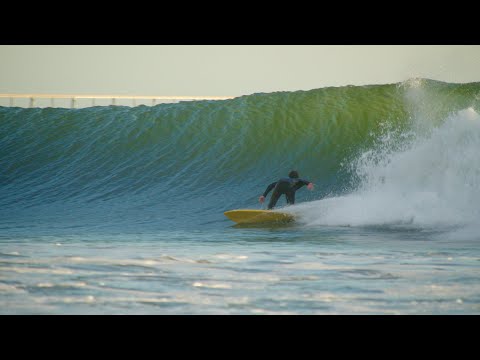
(119,210)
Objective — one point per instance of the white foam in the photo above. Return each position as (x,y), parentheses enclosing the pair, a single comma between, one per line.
(212,285)
(426,179)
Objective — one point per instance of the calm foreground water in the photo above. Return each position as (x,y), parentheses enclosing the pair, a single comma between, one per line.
(268,270)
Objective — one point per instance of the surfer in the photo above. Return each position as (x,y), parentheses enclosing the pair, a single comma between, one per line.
(286,186)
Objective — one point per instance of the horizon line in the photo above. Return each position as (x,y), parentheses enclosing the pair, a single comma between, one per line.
(111,96)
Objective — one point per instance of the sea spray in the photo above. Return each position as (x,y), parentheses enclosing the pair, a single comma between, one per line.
(412,179)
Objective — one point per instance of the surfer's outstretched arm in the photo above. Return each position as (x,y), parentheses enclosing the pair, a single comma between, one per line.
(308,183)
(269,188)
(302,182)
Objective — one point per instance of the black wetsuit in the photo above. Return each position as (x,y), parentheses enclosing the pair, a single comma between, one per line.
(286,186)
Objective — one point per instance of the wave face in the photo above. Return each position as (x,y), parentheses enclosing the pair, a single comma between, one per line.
(379,154)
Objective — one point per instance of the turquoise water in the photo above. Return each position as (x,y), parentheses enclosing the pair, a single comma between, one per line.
(118,210)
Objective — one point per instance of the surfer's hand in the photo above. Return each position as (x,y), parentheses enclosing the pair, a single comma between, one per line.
(310,186)
(261,199)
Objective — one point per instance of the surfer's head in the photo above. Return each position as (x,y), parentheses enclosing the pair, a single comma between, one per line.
(293,174)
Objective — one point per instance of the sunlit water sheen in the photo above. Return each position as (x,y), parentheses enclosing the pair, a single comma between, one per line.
(279,270)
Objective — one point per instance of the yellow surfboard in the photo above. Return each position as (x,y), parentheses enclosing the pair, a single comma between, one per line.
(249,216)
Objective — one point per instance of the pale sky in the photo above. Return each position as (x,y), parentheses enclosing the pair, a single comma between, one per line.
(225,70)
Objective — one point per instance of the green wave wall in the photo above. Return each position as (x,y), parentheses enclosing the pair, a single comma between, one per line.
(190,154)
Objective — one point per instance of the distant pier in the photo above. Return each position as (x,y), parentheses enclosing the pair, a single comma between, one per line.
(81,100)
